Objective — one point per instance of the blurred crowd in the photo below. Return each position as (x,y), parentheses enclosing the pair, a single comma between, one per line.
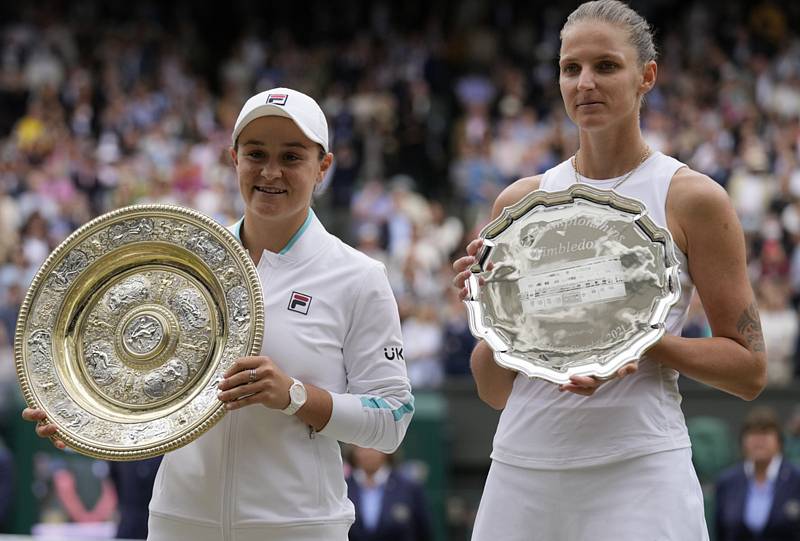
(104,105)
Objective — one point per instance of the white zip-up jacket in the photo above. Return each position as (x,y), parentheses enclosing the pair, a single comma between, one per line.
(331,320)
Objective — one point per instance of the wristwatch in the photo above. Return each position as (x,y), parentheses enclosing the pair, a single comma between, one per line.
(297,397)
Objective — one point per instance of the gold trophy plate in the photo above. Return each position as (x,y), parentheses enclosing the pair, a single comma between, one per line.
(129,325)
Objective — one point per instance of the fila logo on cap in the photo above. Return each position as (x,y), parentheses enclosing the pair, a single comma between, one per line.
(277,99)
(299,303)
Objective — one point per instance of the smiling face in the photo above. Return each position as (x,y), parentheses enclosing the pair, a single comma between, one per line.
(278,168)
(601,78)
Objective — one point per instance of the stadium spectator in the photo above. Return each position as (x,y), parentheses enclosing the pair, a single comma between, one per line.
(422,336)
(389,505)
(133,481)
(759,499)
(696,325)
(791,445)
(780,324)
(6,483)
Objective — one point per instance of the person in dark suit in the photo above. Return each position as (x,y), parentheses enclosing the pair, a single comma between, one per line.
(759,499)
(134,483)
(389,506)
(6,482)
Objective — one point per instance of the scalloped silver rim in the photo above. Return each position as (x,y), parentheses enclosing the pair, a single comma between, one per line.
(542,198)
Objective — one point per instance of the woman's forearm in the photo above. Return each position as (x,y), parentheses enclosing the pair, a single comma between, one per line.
(717,361)
(493,381)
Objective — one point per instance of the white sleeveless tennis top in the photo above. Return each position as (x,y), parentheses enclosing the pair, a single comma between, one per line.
(543,428)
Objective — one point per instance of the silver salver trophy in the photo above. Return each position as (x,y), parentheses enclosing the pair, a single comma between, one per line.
(575,282)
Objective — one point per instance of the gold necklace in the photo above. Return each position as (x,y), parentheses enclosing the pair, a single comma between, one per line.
(645,154)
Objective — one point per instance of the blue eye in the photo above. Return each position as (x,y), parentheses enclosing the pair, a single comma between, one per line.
(570,68)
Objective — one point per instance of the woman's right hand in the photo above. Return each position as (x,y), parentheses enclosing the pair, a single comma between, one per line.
(462,265)
(43,430)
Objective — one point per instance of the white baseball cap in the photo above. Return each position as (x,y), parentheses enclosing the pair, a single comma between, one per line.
(288,103)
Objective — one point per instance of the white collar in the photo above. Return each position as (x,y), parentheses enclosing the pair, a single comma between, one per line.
(772,470)
(308,241)
(378,479)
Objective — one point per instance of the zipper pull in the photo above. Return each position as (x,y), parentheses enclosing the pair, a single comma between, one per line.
(311,432)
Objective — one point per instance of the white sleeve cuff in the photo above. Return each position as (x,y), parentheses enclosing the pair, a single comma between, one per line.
(346,418)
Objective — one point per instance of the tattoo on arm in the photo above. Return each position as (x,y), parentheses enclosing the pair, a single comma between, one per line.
(749,326)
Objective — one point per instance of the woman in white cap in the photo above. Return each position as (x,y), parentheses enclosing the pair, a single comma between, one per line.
(331,368)
(612,461)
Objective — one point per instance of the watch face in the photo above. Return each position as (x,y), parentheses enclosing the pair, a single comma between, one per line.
(297,393)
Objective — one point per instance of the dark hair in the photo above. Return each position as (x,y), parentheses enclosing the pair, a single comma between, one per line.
(640,33)
(349,451)
(762,419)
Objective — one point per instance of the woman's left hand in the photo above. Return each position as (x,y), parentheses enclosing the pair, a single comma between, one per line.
(587,385)
(255,380)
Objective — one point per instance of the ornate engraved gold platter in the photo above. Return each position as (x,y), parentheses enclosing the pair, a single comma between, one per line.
(127,328)
(574,282)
